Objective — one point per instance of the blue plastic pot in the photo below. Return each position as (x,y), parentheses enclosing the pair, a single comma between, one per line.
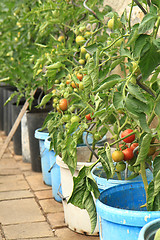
(44,153)
(119,212)
(102,182)
(149,230)
(55,173)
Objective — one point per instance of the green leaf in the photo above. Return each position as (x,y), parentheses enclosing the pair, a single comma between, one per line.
(135,91)
(144,148)
(83,187)
(157,108)
(149,61)
(156,2)
(143,122)
(139,44)
(92,48)
(54,66)
(147,23)
(135,106)
(45,99)
(118,100)
(150,199)
(108,83)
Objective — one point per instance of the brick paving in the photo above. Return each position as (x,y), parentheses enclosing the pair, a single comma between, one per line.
(27,208)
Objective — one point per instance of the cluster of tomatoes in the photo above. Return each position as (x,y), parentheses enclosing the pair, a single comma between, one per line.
(125,153)
(63,103)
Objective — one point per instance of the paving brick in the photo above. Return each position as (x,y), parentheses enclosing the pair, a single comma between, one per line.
(67,234)
(24,166)
(56,220)
(8,163)
(11,183)
(20,211)
(36,182)
(15,195)
(28,230)
(51,206)
(6,172)
(44,194)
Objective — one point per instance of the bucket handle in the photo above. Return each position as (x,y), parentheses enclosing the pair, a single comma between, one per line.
(51,167)
(60,194)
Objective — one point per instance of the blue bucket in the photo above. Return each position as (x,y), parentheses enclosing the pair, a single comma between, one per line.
(44,153)
(120,215)
(102,182)
(55,173)
(149,230)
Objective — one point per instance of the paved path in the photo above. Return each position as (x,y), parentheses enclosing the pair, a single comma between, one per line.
(27,209)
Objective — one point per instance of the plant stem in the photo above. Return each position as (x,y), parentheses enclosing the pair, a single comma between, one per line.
(130,14)
(144,177)
(156,28)
(111,144)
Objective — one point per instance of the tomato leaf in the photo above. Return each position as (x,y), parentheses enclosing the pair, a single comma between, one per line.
(156,2)
(147,23)
(157,108)
(106,161)
(135,106)
(84,186)
(136,92)
(149,61)
(108,83)
(45,99)
(144,148)
(139,44)
(118,100)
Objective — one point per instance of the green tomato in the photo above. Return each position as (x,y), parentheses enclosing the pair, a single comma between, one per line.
(75,119)
(130,168)
(66,118)
(120,166)
(110,23)
(97,136)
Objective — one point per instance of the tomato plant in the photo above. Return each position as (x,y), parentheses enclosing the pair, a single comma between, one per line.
(120,166)
(130,138)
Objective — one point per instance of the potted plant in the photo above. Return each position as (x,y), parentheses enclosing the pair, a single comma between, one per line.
(132,101)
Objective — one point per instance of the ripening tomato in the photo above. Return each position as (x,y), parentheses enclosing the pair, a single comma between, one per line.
(63,104)
(88,116)
(74,85)
(79,76)
(117,156)
(130,138)
(128,154)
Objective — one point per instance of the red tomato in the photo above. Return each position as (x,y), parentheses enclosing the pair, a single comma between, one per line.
(88,116)
(63,104)
(130,138)
(128,154)
(133,146)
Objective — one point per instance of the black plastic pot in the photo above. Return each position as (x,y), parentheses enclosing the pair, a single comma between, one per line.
(17,143)
(35,119)
(7,116)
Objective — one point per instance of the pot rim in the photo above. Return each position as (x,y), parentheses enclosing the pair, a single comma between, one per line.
(124,216)
(152,226)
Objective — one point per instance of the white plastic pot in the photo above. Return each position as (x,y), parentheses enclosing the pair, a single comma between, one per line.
(77,219)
